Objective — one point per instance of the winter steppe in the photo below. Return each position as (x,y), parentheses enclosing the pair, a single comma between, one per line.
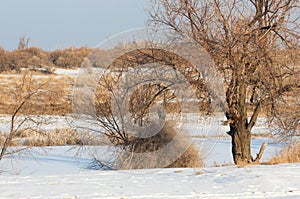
(68,172)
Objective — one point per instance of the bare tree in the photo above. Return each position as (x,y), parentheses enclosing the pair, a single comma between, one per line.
(128,101)
(21,118)
(23,43)
(242,36)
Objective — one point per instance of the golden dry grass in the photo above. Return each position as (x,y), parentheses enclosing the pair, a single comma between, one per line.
(14,142)
(50,99)
(290,154)
(55,137)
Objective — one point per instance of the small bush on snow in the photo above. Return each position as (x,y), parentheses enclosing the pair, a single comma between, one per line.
(188,153)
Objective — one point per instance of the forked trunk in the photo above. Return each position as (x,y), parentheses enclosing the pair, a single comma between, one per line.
(240,131)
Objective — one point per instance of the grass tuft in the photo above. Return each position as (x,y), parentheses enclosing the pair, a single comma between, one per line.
(290,154)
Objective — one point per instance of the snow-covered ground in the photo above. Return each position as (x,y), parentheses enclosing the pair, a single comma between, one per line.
(59,175)
(66,172)
(74,72)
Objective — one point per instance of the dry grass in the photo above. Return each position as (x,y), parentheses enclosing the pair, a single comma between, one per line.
(187,155)
(55,137)
(290,154)
(14,142)
(53,99)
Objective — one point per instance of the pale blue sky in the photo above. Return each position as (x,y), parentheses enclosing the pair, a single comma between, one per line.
(52,24)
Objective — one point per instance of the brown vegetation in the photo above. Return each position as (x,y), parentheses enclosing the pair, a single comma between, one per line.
(36,57)
(68,58)
(53,99)
(242,39)
(290,154)
(25,91)
(188,154)
(55,137)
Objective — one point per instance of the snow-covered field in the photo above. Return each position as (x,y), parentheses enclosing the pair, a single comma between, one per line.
(66,172)
(58,175)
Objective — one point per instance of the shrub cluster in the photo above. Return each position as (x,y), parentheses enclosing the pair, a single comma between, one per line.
(36,57)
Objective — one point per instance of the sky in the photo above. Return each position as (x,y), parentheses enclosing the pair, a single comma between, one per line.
(53,24)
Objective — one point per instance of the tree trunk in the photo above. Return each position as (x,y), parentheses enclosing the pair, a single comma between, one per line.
(241,142)
(240,130)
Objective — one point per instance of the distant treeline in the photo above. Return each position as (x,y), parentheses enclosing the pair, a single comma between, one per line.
(73,58)
(36,57)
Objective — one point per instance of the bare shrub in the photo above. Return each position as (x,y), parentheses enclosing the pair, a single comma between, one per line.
(3,60)
(129,99)
(189,158)
(23,42)
(290,154)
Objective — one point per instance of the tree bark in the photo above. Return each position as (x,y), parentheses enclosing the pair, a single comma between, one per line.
(241,142)
(237,113)
(261,151)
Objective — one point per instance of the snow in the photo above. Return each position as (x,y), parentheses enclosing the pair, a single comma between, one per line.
(58,172)
(67,172)
(57,160)
(214,182)
(45,122)
(71,72)
(217,151)
(207,127)
(75,72)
